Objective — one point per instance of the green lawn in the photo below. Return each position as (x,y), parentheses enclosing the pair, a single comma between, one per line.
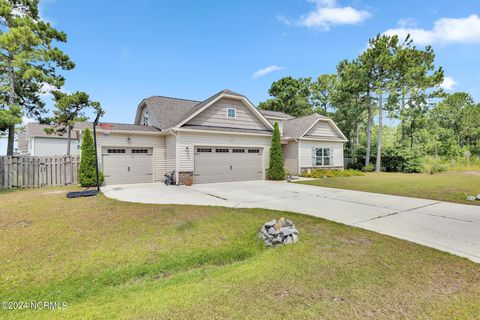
(109,259)
(451,186)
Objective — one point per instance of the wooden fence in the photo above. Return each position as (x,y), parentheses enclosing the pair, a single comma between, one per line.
(33,172)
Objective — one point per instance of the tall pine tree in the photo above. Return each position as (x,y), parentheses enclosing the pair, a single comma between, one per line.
(28,59)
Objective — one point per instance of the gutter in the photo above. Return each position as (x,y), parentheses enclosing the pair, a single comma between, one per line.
(177,153)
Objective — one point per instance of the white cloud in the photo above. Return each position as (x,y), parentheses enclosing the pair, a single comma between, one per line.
(47,88)
(407,23)
(26,120)
(327,13)
(448,83)
(262,72)
(444,31)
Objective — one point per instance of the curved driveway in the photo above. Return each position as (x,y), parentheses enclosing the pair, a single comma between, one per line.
(453,228)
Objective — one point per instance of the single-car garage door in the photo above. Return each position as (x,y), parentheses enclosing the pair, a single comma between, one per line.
(223,164)
(127,165)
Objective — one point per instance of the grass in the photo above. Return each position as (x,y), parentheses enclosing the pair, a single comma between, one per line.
(450,186)
(108,259)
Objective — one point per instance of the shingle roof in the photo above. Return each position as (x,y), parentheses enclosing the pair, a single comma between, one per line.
(116,126)
(294,128)
(276,114)
(166,112)
(38,130)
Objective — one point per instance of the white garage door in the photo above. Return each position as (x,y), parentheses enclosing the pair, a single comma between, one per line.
(127,165)
(223,164)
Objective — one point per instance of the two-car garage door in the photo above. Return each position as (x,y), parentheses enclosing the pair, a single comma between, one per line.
(222,164)
(127,165)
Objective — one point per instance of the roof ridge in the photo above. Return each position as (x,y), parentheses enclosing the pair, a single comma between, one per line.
(318,116)
(170,97)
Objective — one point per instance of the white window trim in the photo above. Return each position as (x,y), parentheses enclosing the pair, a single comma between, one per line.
(315,157)
(228,113)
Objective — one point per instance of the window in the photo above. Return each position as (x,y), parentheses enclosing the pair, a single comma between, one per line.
(116,151)
(232,112)
(222,150)
(139,151)
(253,151)
(204,150)
(322,157)
(238,150)
(145,118)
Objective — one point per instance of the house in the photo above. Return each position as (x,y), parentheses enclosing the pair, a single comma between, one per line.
(3,144)
(223,138)
(34,141)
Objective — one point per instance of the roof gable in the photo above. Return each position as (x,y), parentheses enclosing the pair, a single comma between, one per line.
(302,127)
(196,110)
(216,116)
(322,129)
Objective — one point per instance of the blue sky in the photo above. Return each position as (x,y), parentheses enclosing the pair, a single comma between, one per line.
(128,50)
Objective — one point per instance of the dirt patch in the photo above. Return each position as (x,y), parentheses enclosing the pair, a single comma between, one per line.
(475,173)
(355,240)
(53,192)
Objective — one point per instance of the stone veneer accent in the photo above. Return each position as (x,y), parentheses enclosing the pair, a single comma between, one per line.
(309,169)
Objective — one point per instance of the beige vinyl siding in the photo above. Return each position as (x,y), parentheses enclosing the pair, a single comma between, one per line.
(290,157)
(170,154)
(192,139)
(156,142)
(306,152)
(216,116)
(53,146)
(322,129)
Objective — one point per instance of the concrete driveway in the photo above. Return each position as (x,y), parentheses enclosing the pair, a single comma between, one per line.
(454,228)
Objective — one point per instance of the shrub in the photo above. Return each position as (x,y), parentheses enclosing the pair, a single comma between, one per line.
(276,169)
(369,168)
(87,174)
(438,167)
(395,159)
(320,173)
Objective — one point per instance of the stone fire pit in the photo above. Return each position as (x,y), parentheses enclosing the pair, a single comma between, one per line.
(281,231)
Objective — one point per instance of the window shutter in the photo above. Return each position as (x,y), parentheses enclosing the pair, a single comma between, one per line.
(331,156)
(314,157)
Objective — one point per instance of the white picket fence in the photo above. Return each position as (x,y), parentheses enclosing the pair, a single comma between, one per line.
(34,172)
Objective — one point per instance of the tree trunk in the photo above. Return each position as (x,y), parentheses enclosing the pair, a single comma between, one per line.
(402,108)
(378,164)
(369,129)
(69,137)
(11,102)
(412,127)
(357,135)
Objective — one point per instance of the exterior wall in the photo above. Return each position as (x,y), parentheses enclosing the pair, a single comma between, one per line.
(305,155)
(192,139)
(156,142)
(170,152)
(3,145)
(322,129)
(290,157)
(216,115)
(42,146)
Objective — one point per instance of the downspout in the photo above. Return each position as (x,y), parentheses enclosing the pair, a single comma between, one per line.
(177,154)
(32,149)
(298,155)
